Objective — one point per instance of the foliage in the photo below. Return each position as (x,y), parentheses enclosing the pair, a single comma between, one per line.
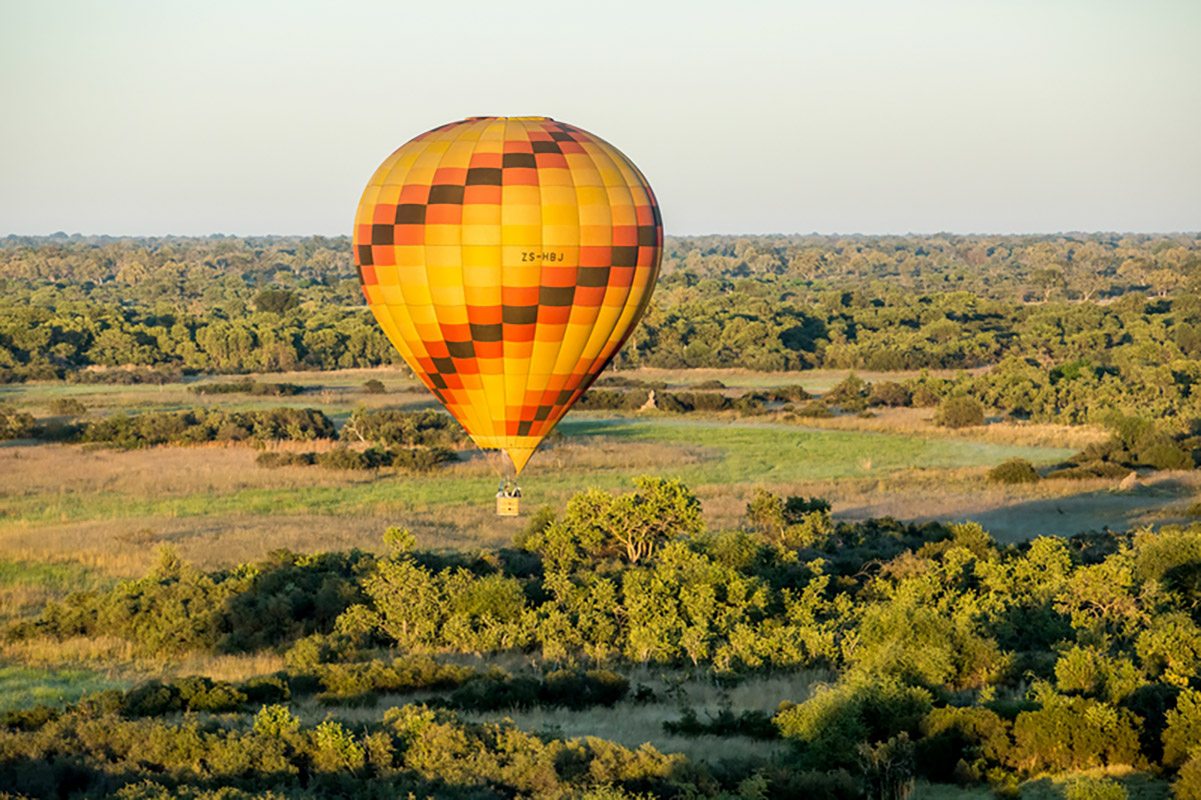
(15,424)
(960,412)
(1095,789)
(248,386)
(946,655)
(386,428)
(1071,326)
(208,425)
(1015,470)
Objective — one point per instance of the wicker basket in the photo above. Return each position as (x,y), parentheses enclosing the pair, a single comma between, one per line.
(508,506)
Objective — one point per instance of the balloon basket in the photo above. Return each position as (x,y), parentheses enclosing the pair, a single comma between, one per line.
(508,506)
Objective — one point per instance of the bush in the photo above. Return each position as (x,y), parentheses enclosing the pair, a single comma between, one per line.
(960,412)
(209,425)
(752,724)
(15,424)
(1095,789)
(1188,782)
(574,689)
(850,394)
(421,459)
(1182,736)
(495,691)
(1069,733)
(1015,470)
(386,428)
(248,386)
(273,459)
(925,397)
(373,386)
(345,458)
(68,407)
(837,719)
(1166,456)
(963,743)
(889,393)
(1088,470)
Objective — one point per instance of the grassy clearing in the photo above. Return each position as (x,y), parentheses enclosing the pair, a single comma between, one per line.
(23,686)
(708,453)
(635,723)
(26,586)
(750,452)
(109,509)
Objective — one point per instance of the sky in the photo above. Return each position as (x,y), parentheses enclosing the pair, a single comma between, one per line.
(967,116)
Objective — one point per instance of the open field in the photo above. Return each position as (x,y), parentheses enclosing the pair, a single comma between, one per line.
(107,509)
(84,516)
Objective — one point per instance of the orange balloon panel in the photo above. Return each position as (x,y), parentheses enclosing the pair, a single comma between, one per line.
(508,259)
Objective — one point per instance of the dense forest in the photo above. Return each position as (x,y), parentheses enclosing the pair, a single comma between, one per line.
(946,656)
(1070,323)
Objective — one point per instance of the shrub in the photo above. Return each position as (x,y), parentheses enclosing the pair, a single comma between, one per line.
(850,394)
(209,425)
(273,459)
(248,386)
(1090,469)
(495,691)
(420,459)
(889,393)
(962,742)
(373,386)
(960,412)
(68,407)
(837,719)
(1182,736)
(752,724)
(345,458)
(1188,782)
(390,428)
(814,409)
(1095,789)
(925,397)
(888,768)
(574,689)
(1166,455)
(1069,733)
(15,424)
(1015,470)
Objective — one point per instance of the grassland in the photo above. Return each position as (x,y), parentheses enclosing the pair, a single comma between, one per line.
(76,516)
(106,509)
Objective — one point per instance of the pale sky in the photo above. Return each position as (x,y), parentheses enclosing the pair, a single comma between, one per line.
(249,117)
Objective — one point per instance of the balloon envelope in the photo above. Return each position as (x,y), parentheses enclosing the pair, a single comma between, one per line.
(508,259)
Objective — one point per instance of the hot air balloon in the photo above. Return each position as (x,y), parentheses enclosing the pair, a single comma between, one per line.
(508,259)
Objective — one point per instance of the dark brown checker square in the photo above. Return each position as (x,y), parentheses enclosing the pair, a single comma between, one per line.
(410,214)
(446,194)
(484,176)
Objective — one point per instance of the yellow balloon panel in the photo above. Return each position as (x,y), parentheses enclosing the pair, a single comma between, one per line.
(508,259)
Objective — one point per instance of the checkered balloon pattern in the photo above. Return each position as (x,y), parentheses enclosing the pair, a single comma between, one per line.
(508,259)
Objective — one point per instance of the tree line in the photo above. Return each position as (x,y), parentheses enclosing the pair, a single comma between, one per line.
(1102,313)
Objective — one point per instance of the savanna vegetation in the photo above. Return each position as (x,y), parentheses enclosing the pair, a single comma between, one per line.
(196,601)
(1071,326)
(941,657)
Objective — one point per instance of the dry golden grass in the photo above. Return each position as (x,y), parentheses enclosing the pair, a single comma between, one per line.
(98,652)
(118,659)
